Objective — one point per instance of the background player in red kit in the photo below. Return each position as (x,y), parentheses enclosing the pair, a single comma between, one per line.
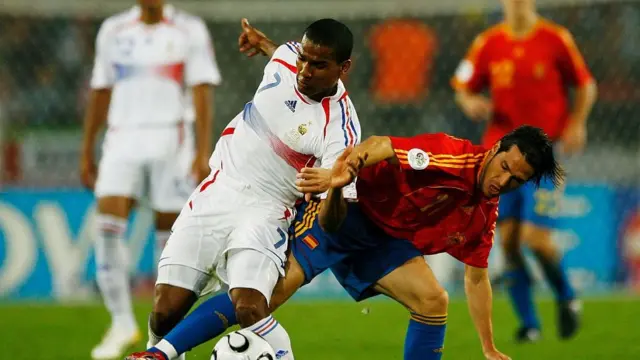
(422,195)
(529,64)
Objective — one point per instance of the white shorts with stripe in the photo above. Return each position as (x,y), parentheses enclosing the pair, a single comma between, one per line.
(228,233)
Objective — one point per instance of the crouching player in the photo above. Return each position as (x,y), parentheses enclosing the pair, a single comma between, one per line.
(427,194)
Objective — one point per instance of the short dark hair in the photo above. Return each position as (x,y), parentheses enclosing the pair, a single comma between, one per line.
(537,149)
(333,34)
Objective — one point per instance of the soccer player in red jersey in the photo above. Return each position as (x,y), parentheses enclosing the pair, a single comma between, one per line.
(528,64)
(427,194)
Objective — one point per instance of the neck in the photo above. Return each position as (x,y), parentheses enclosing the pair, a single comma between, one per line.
(318,97)
(522,23)
(151,15)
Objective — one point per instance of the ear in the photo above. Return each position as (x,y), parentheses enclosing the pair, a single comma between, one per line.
(344,67)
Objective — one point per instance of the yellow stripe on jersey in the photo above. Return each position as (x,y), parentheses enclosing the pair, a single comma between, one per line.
(449,156)
(308,213)
(307,221)
(452,166)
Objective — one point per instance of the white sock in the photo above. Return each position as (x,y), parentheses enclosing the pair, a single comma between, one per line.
(153,338)
(275,335)
(168,349)
(162,236)
(112,271)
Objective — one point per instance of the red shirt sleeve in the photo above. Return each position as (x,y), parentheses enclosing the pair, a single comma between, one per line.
(476,253)
(571,63)
(435,152)
(473,72)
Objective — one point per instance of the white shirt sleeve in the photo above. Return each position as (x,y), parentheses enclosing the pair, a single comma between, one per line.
(343,130)
(201,66)
(103,74)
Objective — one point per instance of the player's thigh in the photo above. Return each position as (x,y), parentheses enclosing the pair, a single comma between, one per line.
(415,286)
(360,272)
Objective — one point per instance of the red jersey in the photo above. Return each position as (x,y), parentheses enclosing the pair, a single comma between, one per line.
(432,198)
(528,77)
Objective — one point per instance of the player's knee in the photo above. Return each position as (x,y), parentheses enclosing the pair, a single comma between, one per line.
(428,302)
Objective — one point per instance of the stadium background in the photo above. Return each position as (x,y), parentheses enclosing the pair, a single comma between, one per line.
(46,54)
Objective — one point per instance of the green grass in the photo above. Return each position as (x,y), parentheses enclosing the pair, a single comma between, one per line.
(339,330)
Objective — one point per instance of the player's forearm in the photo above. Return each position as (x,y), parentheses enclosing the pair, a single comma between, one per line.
(479,294)
(585,97)
(268,47)
(377,148)
(95,117)
(202,102)
(332,211)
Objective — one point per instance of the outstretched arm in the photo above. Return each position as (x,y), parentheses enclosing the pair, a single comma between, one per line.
(480,298)
(253,41)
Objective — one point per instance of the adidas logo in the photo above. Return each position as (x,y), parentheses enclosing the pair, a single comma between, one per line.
(291,104)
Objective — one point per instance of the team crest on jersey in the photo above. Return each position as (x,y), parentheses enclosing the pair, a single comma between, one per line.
(302,129)
(418,159)
(293,136)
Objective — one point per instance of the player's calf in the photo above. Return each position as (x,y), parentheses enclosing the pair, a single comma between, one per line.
(170,305)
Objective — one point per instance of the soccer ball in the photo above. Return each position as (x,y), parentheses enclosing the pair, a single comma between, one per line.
(243,345)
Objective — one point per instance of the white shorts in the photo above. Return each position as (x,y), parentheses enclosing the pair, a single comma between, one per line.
(155,162)
(220,223)
(246,268)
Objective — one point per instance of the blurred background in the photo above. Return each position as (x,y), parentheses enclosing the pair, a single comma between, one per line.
(46,55)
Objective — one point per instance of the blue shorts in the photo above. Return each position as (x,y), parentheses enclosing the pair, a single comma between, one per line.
(359,253)
(527,204)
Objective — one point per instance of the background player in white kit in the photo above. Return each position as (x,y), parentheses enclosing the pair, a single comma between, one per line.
(145,59)
(233,230)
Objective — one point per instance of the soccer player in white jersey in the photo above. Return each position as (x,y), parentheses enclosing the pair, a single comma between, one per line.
(232,233)
(151,62)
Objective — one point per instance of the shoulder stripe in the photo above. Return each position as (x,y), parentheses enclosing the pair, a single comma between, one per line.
(292,68)
(349,136)
(351,122)
(290,47)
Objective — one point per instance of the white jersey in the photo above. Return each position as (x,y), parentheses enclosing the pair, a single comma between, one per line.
(281,131)
(149,66)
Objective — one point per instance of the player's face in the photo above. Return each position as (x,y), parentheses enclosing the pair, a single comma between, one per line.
(318,71)
(151,3)
(505,171)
